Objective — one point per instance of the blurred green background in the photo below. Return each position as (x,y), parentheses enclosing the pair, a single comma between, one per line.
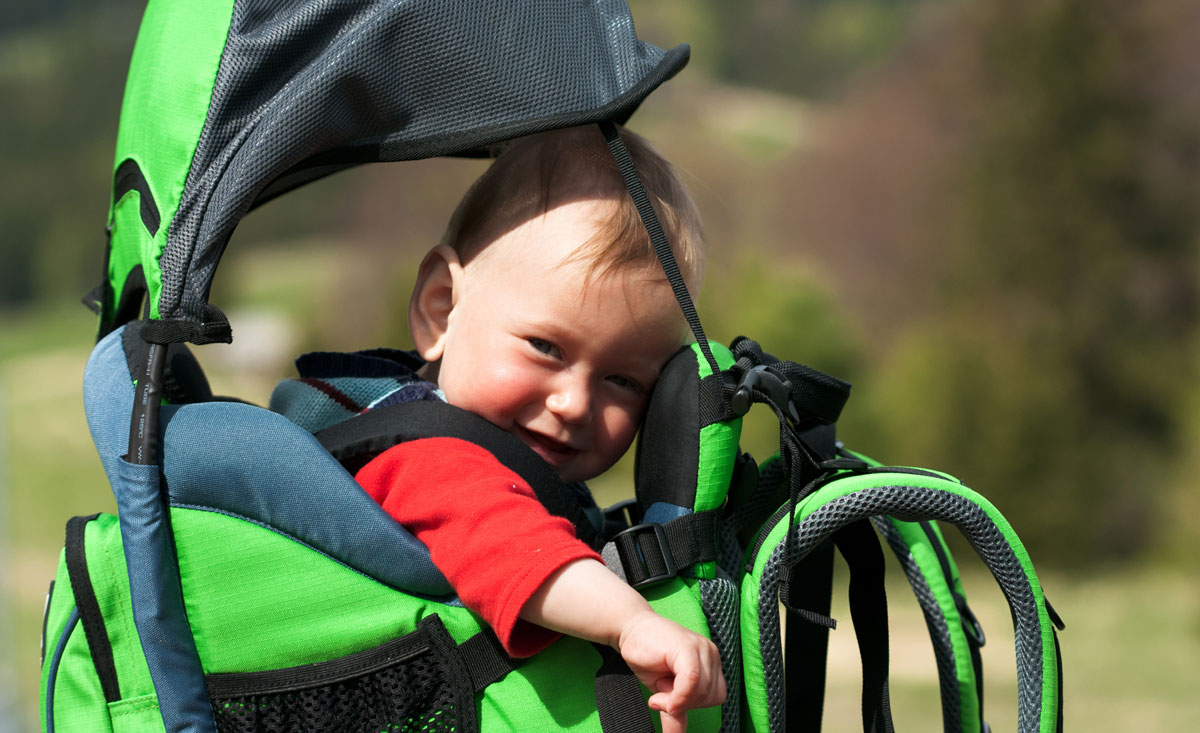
(982,213)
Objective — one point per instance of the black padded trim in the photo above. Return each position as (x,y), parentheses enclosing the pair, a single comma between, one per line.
(619,695)
(213,329)
(129,304)
(356,441)
(129,177)
(668,449)
(75,553)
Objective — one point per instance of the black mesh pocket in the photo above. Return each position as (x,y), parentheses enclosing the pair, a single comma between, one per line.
(415,683)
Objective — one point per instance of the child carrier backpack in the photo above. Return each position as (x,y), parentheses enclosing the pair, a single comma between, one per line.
(248,584)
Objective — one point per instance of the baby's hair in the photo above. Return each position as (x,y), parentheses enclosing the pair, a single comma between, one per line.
(535,174)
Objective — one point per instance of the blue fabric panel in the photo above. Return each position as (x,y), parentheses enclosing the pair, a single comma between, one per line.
(661,512)
(251,462)
(108,401)
(254,463)
(72,622)
(157,602)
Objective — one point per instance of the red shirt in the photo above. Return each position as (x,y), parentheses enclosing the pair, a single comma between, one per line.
(484,527)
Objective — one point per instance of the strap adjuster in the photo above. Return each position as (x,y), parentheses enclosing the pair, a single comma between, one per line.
(645,554)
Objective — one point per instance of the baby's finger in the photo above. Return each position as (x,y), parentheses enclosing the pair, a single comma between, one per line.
(674,723)
(689,676)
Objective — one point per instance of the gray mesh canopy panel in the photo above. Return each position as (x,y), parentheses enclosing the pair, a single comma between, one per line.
(307,87)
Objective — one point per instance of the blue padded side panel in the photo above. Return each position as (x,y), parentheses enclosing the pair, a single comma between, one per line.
(252,462)
(248,461)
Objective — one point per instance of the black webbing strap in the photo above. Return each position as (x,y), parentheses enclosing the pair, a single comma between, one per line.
(807,599)
(355,441)
(486,659)
(657,238)
(647,553)
(868,609)
(619,695)
(89,608)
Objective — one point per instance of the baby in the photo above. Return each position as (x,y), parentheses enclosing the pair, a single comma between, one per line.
(545,311)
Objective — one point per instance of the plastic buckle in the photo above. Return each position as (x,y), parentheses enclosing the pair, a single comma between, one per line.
(765,379)
(638,560)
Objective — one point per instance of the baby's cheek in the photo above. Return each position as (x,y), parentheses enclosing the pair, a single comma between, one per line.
(506,387)
(620,426)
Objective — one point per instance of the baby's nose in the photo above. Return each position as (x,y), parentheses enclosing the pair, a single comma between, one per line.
(570,399)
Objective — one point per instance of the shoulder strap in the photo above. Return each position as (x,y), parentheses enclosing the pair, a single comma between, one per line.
(356,441)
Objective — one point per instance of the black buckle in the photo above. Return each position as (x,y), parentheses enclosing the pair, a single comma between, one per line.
(765,379)
(631,546)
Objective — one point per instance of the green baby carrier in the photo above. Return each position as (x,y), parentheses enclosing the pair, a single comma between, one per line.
(248,584)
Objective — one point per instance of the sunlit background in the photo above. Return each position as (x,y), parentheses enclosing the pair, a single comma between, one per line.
(983,213)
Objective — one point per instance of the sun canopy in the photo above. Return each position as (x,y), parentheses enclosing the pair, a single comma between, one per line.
(232,102)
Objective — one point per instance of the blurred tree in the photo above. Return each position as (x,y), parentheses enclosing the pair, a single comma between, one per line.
(1059,351)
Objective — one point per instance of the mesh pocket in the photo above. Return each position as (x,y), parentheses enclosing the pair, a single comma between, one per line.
(414,683)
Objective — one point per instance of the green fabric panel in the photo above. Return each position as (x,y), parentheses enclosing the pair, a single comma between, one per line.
(679,600)
(271,602)
(135,715)
(718,450)
(958,586)
(58,610)
(110,579)
(78,699)
(257,600)
(926,559)
(552,691)
(171,77)
(754,679)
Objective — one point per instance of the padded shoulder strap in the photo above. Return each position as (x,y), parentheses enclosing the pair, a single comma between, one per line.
(356,441)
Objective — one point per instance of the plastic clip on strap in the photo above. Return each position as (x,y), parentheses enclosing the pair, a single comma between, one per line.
(646,554)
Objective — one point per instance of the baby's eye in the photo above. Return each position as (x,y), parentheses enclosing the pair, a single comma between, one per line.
(625,382)
(545,347)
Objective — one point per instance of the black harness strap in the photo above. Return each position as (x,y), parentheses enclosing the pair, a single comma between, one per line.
(485,659)
(619,695)
(89,608)
(356,441)
(806,600)
(868,609)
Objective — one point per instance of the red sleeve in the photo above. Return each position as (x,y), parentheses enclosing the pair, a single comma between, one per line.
(484,527)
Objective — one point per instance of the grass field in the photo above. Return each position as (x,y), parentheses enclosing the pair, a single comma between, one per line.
(1130,646)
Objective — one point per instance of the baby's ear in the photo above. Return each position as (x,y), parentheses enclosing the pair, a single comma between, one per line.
(433,298)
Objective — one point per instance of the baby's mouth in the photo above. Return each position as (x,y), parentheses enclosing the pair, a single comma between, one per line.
(554,452)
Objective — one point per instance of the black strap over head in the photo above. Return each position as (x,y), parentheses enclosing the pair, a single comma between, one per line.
(658,239)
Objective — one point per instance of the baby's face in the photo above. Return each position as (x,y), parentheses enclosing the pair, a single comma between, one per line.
(564,363)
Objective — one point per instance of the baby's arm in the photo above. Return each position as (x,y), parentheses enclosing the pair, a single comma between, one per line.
(682,668)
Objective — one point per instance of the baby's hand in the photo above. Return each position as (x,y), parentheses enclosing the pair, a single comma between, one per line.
(681,668)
